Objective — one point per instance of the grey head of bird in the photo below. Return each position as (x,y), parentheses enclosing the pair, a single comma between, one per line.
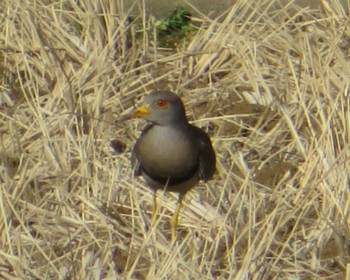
(162,108)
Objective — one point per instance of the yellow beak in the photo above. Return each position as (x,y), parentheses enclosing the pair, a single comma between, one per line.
(141,111)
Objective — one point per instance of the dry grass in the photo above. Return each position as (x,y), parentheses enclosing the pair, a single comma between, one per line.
(270,85)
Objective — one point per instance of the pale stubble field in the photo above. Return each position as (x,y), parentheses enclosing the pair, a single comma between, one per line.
(270,88)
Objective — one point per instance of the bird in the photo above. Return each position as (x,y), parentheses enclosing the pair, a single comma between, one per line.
(171,154)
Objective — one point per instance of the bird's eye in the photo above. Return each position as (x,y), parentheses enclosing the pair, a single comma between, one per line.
(161,103)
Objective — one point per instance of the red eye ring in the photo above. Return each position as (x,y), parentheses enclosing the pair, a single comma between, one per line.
(161,103)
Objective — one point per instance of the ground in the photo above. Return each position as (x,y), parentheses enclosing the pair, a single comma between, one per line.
(270,88)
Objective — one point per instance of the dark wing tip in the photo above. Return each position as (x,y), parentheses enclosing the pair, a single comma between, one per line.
(207,157)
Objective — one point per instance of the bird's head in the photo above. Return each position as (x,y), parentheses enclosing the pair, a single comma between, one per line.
(162,108)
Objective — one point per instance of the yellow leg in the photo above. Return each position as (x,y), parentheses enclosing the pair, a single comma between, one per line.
(155,206)
(174,218)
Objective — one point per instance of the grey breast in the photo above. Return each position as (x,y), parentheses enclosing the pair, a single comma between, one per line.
(167,151)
